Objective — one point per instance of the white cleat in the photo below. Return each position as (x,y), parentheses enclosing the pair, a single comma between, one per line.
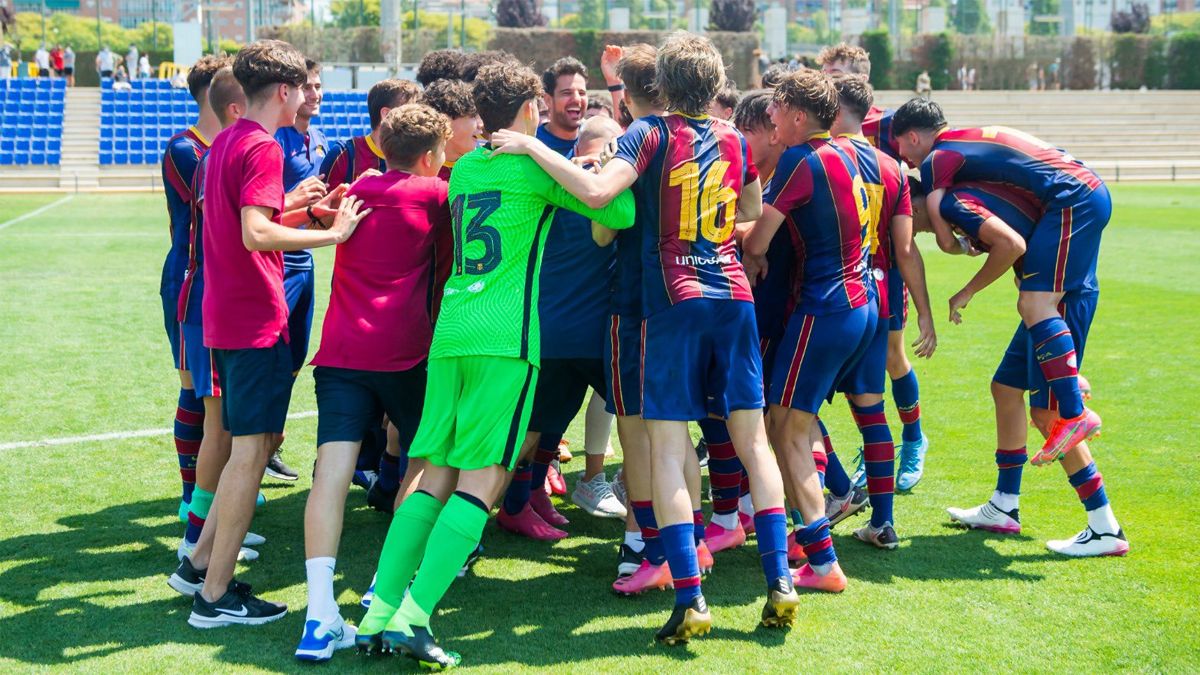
(252,539)
(1089,543)
(320,640)
(185,550)
(988,517)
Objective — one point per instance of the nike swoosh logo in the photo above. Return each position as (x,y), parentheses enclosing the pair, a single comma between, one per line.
(244,611)
(1033,392)
(1026,276)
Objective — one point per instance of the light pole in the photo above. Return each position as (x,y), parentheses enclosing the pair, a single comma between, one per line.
(462,26)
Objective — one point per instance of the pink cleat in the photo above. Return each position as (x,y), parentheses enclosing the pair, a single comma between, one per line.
(555,484)
(833,581)
(647,577)
(542,506)
(1085,388)
(747,522)
(704,557)
(795,552)
(719,538)
(528,523)
(1065,435)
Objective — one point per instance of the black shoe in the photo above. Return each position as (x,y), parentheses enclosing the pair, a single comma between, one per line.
(782,601)
(369,645)
(702,452)
(186,580)
(687,621)
(382,500)
(278,470)
(628,561)
(474,556)
(237,606)
(421,648)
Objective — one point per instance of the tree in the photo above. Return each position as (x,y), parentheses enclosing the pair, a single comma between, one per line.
(1043,8)
(879,46)
(518,14)
(1136,19)
(732,15)
(351,13)
(970,17)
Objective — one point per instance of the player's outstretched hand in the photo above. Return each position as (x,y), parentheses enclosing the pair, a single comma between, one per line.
(756,267)
(959,301)
(327,208)
(368,174)
(927,341)
(349,213)
(505,142)
(608,63)
(307,193)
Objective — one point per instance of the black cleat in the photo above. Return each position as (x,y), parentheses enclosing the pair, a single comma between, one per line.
(782,601)
(687,621)
(278,470)
(237,606)
(628,561)
(382,500)
(702,452)
(186,580)
(471,558)
(421,648)
(370,645)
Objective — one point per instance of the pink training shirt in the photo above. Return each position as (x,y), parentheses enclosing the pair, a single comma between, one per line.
(244,306)
(386,278)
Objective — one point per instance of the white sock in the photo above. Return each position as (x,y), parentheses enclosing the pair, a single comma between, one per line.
(1005,501)
(634,541)
(728,521)
(321,605)
(1103,521)
(822,569)
(746,504)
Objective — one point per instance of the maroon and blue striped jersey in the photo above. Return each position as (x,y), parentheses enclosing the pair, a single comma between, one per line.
(877,127)
(347,160)
(966,205)
(178,166)
(820,192)
(191,293)
(691,171)
(1005,155)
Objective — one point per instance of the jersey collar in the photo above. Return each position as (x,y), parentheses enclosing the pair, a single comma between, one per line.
(373,147)
(819,136)
(200,136)
(857,136)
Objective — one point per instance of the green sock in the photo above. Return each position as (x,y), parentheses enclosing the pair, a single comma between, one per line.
(201,502)
(454,537)
(377,617)
(404,545)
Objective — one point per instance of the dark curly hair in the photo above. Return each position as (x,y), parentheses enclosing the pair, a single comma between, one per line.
(452,98)
(440,64)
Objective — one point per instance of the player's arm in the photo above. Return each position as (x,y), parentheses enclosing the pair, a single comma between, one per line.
(791,187)
(1005,247)
(750,205)
(608,67)
(593,190)
(308,192)
(616,213)
(942,231)
(260,233)
(912,270)
(757,240)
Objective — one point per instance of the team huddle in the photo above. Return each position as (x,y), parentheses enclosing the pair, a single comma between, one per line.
(501,251)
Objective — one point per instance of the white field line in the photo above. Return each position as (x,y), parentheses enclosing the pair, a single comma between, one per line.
(36,212)
(112,436)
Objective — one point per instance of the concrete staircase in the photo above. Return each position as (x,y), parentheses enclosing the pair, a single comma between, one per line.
(80,169)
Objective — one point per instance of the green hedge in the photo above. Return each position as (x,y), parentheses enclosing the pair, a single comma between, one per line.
(879,45)
(1183,61)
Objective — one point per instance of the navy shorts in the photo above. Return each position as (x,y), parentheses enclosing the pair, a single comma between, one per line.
(897,301)
(701,358)
(1019,369)
(198,361)
(298,288)
(351,402)
(623,365)
(1061,253)
(257,387)
(170,303)
(868,373)
(816,353)
(561,388)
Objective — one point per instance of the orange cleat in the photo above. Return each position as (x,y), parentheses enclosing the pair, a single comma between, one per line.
(704,557)
(719,538)
(564,452)
(795,552)
(528,523)
(833,581)
(1065,435)
(647,577)
(542,506)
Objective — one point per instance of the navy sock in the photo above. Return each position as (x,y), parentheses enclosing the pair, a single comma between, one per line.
(698,525)
(517,495)
(643,514)
(907,393)
(1089,485)
(817,543)
(835,477)
(679,543)
(1009,464)
(1054,348)
(772,530)
(724,468)
(389,473)
(879,451)
(189,432)
(547,452)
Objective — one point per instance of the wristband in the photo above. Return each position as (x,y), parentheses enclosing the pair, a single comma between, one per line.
(614,88)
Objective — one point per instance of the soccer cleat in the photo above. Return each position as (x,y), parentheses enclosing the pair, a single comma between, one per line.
(471,558)
(795,552)
(364,479)
(367,597)
(528,524)
(596,497)
(260,499)
(555,483)
(564,451)
(646,577)
(380,499)
(278,470)
(833,581)
(687,621)
(540,501)
(1085,388)
(719,538)
(319,641)
(252,539)
(883,536)
(988,517)
(859,478)
(369,644)
(702,452)
(912,463)
(782,602)
(704,557)
(238,606)
(1089,543)
(1065,435)
(185,549)
(420,647)
(747,520)
(186,579)
(839,509)
(628,561)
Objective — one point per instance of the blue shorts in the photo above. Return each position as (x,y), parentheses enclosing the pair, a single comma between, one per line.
(257,388)
(897,301)
(868,373)
(198,361)
(1062,251)
(170,303)
(623,365)
(816,353)
(701,358)
(298,288)
(562,387)
(351,402)
(1019,369)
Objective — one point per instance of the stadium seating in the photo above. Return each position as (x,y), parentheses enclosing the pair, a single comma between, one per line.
(137,123)
(31,121)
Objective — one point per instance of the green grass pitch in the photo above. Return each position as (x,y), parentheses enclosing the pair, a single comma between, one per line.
(88,531)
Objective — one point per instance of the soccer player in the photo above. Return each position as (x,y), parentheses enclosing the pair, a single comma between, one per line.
(375,341)
(725,102)
(817,190)
(483,369)
(347,160)
(1076,208)
(440,64)
(693,181)
(843,58)
(178,166)
(245,311)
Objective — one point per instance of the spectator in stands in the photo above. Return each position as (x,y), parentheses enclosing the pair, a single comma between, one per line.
(144,71)
(1052,81)
(962,76)
(56,60)
(971,79)
(42,59)
(131,61)
(6,60)
(1031,75)
(924,85)
(105,62)
(121,79)
(598,107)
(68,70)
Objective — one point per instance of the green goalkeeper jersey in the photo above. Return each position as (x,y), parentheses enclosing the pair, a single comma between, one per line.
(501,208)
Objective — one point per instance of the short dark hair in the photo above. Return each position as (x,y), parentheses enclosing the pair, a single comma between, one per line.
(500,89)
(452,98)
(811,91)
(728,95)
(440,64)
(636,70)
(567,65)
(390,93)
(774,74)
(751,112)
(312,66)
(918,115)
(597,103)
(223,90)
(688,72)
(265,63)
(854,94)
(410,131)
(201,74)
(471,63)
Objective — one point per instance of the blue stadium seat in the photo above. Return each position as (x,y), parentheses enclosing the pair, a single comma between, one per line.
(54,145)
(151,157)
(7,145)
(53,157)
(106,157)
(106,145)
(39,132)
(6,158)
(120,157)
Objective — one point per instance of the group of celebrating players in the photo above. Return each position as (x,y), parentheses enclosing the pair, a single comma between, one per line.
(500,253)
